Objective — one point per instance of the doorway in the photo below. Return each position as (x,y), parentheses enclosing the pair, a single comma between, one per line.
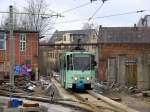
(131,74)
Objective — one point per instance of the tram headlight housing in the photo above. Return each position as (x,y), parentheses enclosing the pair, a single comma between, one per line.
(88,78)
(75,78)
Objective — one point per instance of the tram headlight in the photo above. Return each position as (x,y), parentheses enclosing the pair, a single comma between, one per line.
(87,78)
(75,78)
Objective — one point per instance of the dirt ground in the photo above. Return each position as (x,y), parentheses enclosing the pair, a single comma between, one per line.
(135,101)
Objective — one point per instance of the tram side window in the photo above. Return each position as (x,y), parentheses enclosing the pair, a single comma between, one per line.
(64,63)
(60,64)
(69,62)
(93,62)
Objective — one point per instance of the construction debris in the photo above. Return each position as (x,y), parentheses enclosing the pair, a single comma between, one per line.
(100,88)
(21,80)
(116,99)
(146,93)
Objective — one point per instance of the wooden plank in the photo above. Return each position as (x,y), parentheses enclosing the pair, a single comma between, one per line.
(12,110)
(115,104)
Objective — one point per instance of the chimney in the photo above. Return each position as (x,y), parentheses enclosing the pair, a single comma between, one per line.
(135,27)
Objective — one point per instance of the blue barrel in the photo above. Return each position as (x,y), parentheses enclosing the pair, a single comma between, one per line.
(15,103)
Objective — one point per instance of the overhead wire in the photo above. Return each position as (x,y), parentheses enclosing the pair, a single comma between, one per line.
(77,7)
(96,12)
(120,14)
(107,16)
(80,6)
(100,17)
(26,13)
(90,18)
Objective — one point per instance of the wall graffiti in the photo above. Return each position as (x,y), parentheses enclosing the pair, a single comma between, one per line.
(24,69)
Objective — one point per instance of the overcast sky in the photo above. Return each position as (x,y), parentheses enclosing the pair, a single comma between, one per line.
(110,7)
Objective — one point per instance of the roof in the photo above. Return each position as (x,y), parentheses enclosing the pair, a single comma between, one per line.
(21,30)
(125,35)
(58,34)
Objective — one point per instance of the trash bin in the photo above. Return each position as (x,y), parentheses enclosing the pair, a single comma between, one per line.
(15,103)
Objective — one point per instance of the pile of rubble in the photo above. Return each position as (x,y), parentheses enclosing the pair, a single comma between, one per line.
(104,87)
(101,88)
(24,87)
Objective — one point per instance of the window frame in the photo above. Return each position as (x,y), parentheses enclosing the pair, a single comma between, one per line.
(3,40)
(22,41)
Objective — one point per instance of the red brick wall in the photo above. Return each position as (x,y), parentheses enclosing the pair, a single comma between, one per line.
(30,53)
(111,50)
(131,50)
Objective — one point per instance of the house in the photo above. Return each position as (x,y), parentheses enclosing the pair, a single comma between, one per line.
(25,52)
(74,35)
(69,37)
(124,56)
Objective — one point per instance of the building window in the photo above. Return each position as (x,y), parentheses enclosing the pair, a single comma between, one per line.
(2,41)
(22,41)
(94,37)
(64,38)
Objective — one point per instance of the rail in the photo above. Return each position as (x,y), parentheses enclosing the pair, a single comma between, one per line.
(97,103)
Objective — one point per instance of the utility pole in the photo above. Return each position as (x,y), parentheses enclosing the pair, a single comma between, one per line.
(99,42)
(11,45)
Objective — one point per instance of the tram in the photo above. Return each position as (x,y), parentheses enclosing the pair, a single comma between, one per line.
(77,69)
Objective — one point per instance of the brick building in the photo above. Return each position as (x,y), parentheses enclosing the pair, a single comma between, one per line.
(124,56)
(25,50)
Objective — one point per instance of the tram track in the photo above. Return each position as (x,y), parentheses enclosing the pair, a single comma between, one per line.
(120,107)
(93,102)
(96,104)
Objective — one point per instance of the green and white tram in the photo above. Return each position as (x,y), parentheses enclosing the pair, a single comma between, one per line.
(77,70)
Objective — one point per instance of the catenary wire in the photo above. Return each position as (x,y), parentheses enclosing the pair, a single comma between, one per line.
(101,17)
(95,12)
(107,16)
(80,6)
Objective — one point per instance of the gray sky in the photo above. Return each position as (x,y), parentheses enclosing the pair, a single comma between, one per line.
(109,8)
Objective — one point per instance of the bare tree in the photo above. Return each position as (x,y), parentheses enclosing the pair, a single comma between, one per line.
(16,19)
(34,20)
(87,26)
(4,22)
(91,27)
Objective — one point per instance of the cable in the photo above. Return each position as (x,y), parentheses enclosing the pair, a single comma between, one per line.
(68,10)
(95,12)
(120,14)
(25,13)
(80,6)
(107,16)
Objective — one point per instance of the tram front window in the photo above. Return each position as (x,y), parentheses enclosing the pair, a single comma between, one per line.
(82,62)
